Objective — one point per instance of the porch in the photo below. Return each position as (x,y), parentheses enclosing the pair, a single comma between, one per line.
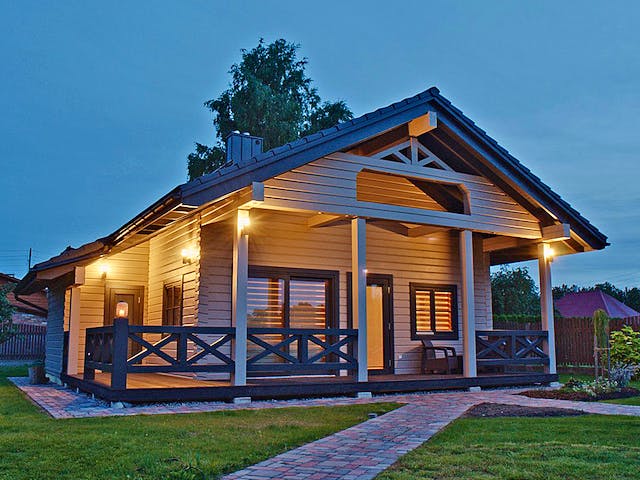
(133,363)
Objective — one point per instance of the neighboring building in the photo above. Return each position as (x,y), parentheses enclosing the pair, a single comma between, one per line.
(584,304)
(335,261)
(29,309)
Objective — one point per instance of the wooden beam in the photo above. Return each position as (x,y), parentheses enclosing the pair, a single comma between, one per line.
(239,295)
(423,124)
(359,291)
(468,305)
(391,226)
(557,232)
(423,230)
(493,244)
(546,306)
(325,220)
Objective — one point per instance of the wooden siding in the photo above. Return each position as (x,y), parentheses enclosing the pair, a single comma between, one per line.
(330,185)
(281,239)
(128,268)
(55,331)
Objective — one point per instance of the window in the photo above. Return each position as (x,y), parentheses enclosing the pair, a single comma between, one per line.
(434,312)
(172,305)
(291,298)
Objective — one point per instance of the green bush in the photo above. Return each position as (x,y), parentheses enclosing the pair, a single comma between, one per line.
(625,347)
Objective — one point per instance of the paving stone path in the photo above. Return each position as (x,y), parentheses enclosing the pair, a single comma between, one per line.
(357,453)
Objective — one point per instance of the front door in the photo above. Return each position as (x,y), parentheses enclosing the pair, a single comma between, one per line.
(134,296)
(379,322)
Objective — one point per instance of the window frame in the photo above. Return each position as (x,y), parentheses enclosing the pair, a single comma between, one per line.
(172,285)
(453,334)
(287,274)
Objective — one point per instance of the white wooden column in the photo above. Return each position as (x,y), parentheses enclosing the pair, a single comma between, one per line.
(546,307)
(239,295)
(74,331)
(359,291)
(468,304)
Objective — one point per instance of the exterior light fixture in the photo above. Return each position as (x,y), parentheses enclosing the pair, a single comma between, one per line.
(122,310)
(243,220)
(104,269)
(548,252)
(188,255)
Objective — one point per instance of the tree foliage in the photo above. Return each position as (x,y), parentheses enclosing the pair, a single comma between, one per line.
(7,329)
(270,96)
(625,347)
(513,291)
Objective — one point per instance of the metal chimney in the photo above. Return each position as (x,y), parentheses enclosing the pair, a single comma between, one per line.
(242,147)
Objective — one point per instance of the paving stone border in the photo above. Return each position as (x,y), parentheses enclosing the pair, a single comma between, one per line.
(357,453)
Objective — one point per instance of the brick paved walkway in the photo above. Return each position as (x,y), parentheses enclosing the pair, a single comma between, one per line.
(357,453)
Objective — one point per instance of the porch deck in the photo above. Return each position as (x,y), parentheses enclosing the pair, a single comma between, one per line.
(160,387)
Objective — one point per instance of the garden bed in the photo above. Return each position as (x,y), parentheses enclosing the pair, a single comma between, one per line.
(626,392)
(493,410)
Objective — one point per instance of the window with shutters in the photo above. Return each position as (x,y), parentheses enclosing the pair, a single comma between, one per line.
(172,305)
(434,312)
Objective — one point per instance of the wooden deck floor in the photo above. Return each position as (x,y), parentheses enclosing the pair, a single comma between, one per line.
(157,387)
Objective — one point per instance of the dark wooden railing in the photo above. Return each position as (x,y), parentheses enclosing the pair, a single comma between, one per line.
(511,347)
(301,350)
(121,349)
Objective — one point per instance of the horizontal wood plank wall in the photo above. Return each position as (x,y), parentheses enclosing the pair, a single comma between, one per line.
(128,268)
(166,266)
(330,185)
(284,240)
(55,330)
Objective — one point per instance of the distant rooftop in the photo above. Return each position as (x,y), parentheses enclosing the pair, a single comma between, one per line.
(584,304)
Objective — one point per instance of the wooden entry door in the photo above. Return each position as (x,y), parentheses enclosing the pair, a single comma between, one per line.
(134,296)
(379,322)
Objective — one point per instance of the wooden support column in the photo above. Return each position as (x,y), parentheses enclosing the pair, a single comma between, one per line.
(239,295)
(468,304)
(359,291)
(74,331)
(120,353)
(74,321)
(546,307)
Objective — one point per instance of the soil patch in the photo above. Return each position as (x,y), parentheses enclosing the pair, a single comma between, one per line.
(581,396)
(490,410)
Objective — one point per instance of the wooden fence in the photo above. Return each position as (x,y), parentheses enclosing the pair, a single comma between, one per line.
(574,336)
(27,344)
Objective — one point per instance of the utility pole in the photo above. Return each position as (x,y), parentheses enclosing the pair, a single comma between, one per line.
(29,262)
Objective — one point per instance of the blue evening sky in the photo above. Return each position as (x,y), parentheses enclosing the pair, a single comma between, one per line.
(101,101)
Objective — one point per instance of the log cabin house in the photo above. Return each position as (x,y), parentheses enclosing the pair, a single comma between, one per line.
(355,260)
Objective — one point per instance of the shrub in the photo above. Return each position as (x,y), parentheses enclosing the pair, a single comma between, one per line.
(593,388)
(625,347)
(621,375)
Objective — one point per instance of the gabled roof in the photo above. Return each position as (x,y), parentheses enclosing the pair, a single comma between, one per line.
(584,304)
(236,176)
(34,304)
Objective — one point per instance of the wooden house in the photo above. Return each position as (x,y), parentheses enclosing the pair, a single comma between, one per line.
(351,261)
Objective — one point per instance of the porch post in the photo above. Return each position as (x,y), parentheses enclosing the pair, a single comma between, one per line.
(74,331)
(120,352)
(359,291)
(546,307)
(239,295)
(468,304)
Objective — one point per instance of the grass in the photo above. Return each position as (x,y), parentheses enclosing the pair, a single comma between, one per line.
(620,401)
(587,447)
(173,447)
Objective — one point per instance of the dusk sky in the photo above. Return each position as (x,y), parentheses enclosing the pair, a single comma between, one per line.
(101,101)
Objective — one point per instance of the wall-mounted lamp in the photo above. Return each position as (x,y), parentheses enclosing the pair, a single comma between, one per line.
(122,310)
(188,255)
(548,252)
(243,220)
(104,270)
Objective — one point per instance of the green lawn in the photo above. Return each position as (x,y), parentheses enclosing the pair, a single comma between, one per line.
(588,447)
(173,447)
(621,401)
